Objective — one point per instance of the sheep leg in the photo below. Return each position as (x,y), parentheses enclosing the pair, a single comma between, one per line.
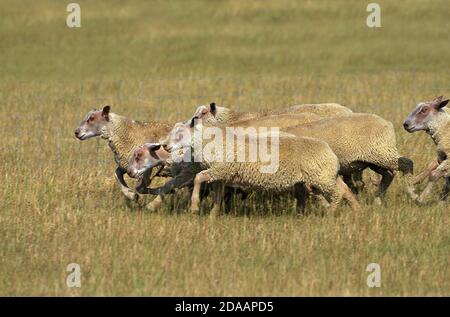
(301,194)
(350,183)
(347,194)
(155,204)
(434,175)
(445,190)
(387,177)
(217,198)
(425,193)
(426,173)
(143,182)
(227,198)
(358,180)
(178,181)
(200,178)
(130,194)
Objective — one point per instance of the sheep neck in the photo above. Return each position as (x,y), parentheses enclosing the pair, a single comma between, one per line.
(437,127)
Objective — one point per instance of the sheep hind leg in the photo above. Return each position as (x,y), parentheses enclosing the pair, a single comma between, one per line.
(200,178)
(301,194)
(406,166)
(129,193)
(349,180)
(387,176)
(358,181)
(347,194)
(217,198)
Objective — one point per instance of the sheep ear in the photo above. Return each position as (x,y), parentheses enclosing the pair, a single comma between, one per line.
(212,108)
(443,104)
(439,103)
(154,146)
(105,112)
(192,123)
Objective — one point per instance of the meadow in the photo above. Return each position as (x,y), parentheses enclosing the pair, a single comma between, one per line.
(158,60)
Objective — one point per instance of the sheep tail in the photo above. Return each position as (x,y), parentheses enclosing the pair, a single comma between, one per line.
(405,165)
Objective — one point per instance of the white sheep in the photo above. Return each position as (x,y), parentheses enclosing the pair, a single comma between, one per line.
(360,141)
(429,116)
(123,135)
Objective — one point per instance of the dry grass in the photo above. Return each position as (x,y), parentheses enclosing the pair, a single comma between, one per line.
(158,60)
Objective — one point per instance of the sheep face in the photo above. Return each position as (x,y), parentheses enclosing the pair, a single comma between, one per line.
(145,157)
(206,113)
(93,123)
(179,137)
(424,114)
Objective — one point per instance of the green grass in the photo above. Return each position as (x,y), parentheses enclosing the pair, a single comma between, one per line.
(159,60)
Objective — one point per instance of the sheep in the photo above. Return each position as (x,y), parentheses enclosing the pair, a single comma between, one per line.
(123,135)
(360,141)
(222,115)
(324,110)
(304,163)
(430,116)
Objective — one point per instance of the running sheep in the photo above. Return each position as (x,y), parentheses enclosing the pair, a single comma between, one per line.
(430,116)
(123,135)
(360,141)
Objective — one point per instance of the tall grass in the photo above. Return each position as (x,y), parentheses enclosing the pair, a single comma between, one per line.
(159,60)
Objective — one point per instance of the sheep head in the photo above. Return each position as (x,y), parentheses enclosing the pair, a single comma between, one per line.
(424,114)
(145,157)
(93,123)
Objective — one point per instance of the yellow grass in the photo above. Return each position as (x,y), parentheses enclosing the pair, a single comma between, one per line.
(159,60)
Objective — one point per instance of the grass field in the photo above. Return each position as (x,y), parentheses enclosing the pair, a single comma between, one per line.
(159,60)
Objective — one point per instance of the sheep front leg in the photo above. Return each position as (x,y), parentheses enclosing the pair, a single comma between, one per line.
(426,173)
(440,171)
(119,173)
(200,178)
(143,182)
(178,181)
